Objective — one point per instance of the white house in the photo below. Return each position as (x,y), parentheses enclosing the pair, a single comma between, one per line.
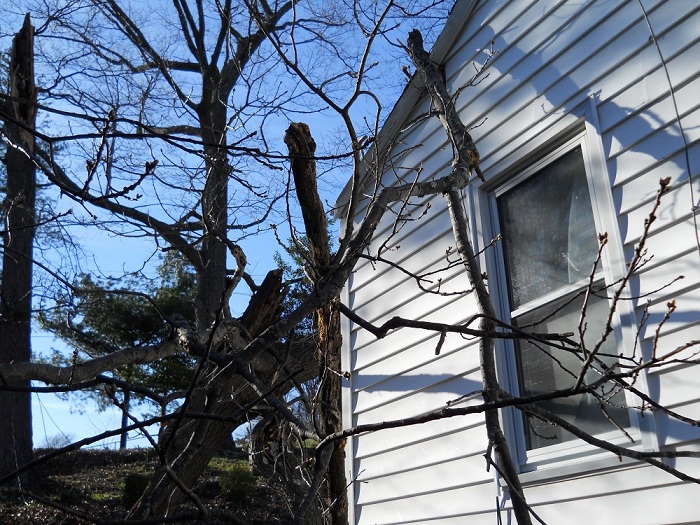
(584,107)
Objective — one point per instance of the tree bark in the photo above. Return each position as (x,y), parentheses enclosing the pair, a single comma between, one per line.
(223,395)
(211,268)
(466,158)
(327,318)
(18,240)
(123,437)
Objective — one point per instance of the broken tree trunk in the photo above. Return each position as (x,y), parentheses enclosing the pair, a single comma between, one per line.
(18,240)
(327,318)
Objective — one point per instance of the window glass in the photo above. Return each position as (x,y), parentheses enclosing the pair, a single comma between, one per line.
(550,242)
(545,369)
(548,229)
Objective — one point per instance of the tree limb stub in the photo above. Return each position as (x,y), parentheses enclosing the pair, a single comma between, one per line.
(265,305)
(22,88)
(301,152)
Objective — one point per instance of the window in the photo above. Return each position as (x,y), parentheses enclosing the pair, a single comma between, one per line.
(550,242)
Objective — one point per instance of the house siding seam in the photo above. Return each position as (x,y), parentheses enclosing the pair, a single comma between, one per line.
(553,56)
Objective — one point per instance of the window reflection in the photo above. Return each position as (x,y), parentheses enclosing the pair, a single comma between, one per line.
(550,241)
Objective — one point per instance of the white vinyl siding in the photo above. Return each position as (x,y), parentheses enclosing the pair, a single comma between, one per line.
(558,62)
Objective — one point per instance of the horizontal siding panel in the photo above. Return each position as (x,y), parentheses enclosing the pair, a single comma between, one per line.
(486,518)
(467,442)
(679,239)
(407,138)
(472,108)
(649,84)
(416,347)
(419,359)
(644,189)
(427,225)
(433,306)
(656,505)
(675,387)
(416,260)
(443,281)
(436,375)
(455,473)
(593,484)
(568,75)
(424,306)
(394,439)
(497,13)
(674,209)
(397,340)
(629,66)
(490,21)
(446,503)
(417,403)
(691,123)
(417,306)
(672,431)
(686,98)
(687,312)
(659,117)
(672,341)
(635,161)
(656,284)
(634,130)
(670,42)
(399,300)
(406,247)
(519,61)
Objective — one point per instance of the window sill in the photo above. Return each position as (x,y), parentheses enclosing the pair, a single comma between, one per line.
(581,466)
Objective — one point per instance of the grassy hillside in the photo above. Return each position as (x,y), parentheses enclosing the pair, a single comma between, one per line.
(99,484)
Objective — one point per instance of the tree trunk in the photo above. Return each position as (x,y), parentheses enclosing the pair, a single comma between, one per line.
(190,444)
(125,419)
(330,401)
(211,268)
(18,240)
(327,318)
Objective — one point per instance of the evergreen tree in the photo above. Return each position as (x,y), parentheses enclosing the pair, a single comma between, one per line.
(104,318)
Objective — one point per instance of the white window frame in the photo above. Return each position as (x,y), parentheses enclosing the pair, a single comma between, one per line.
(574,455)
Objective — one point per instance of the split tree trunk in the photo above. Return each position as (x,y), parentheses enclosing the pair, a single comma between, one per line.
(18,240)
(327,318)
